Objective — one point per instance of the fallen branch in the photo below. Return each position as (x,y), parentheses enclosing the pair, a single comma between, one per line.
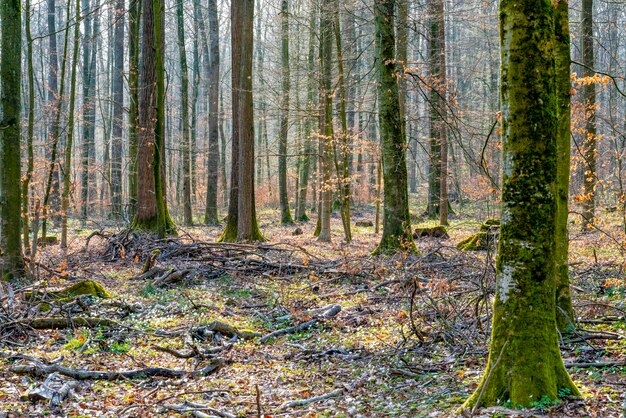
(597,364)
(63,323)
(308,401)
(40,369)
(196,410)
(331,312)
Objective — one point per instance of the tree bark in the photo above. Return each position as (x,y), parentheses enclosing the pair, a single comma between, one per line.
(525,363)
(565,311)
(67,166)
(589,143)
(242,46)
(326,120)
(213,75)
(184,112)
(117,131)
(285,212)
(396,221)
(10,138)
(152,214)
(134,16)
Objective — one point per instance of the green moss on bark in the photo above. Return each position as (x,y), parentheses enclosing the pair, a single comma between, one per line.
(397,234)
(525,363)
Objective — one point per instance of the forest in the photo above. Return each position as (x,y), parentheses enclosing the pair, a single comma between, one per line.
(312,208)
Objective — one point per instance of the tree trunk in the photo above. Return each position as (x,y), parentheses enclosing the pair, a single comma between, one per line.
(30,130)
(327,131)
(525,363)
(89,113)
(51,193)
(307,161)
(565,311)
(117,130)
(213,75)
(342,158)
(242,28)
(10,135)
(438,176)
(67,166)
(396,221)
(134,15)
(184,112)
(152,214)
(285,212)
(589,146)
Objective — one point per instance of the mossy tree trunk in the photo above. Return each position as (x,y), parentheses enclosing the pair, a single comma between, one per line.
(134,14)
(10,135)
(565,311)
(152,214)
(285,212)
(396,221)
(525,363)
(184,112)
(589,146)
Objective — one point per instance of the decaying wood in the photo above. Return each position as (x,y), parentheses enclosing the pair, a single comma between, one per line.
(331,312)
(55,390)
(63,323)
(40,369)
(308,401)
(196,409)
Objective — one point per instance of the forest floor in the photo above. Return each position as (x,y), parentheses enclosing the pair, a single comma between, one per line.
(410,339)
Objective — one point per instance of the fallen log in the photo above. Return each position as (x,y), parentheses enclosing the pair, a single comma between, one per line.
(331,312)
(40,369)
(308,401)
(597,364)
(196,409)
(63,323)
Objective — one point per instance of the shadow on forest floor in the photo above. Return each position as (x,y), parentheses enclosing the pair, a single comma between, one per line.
(355,335)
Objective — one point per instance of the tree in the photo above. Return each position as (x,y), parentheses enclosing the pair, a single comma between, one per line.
(89,110)
(525,363)
(184,112)
(10,135)
(242,223)
(307,161)
(589,146)
(437,175)
(565,311)
(30,130)
(285,213)
(213,77)
(134,14)
(152,213)
(396,221)
(67,167)
(117,131)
